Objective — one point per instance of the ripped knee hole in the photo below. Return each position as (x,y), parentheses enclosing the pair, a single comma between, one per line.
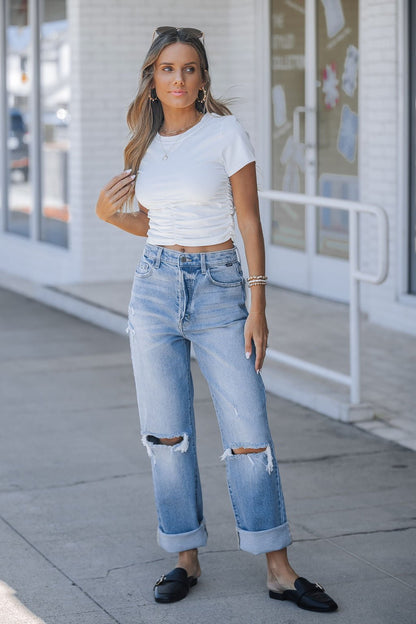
(242,450)
(248,452)
(166,441)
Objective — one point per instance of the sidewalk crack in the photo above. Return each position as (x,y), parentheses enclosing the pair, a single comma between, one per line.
(55,486)
(318,538)
(305,460)
(128,565)
(373,565)
(58,569)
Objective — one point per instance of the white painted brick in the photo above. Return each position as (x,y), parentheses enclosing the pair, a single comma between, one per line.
(379,151)
(108,42)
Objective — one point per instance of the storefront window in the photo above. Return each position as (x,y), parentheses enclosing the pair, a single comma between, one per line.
(55,98)
(288,98)
(330,168)
(18,86)
(36,97)
(337,73)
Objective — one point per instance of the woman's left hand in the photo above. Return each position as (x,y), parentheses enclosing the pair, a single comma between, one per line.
(256,330)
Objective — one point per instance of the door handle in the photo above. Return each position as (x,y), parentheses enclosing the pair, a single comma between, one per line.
(296,122)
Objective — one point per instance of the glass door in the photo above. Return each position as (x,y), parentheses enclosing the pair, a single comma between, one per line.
(412,134)
(314,92)
(19,51)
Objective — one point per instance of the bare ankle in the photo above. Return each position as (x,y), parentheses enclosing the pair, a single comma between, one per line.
(188,559)
(189,555)
(281,579)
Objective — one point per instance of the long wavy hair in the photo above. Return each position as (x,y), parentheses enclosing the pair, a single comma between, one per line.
(144,117)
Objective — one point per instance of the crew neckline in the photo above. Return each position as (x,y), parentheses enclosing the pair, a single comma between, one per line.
(175,137)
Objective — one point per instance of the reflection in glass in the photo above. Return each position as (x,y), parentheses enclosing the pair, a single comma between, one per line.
(288,98)
(337,70)
(18,85)
(55,97)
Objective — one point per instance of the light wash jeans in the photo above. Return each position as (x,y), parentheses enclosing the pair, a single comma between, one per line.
(178,298)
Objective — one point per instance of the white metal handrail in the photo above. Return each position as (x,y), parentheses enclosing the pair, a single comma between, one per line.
(355,276)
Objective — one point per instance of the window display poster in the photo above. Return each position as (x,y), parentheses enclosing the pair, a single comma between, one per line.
(287,21)
(338,122)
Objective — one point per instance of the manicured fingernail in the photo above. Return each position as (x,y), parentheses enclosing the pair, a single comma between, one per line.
(247,355)
(133,175)
(127,170)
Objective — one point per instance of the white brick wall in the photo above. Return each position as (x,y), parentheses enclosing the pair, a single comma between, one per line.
(108,41)
(379,155)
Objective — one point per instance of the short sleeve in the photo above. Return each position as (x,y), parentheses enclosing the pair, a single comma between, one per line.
(238,150)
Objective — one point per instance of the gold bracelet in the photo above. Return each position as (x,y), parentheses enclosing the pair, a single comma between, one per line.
(257,283)
(254,280)
(251,277)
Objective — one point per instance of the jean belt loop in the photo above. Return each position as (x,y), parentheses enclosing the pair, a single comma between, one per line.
(158,256)
(238,253)
(203,263)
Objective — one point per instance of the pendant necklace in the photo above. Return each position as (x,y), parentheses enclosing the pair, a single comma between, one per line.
(176,143)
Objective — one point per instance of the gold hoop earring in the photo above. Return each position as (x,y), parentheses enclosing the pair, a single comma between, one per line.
(200,102)
(204,91)
(153,96)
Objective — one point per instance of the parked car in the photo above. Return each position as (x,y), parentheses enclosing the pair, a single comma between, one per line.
(18,143)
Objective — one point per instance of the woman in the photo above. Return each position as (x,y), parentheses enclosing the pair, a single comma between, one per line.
(195,166)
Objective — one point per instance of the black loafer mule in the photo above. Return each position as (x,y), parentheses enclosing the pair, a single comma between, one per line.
(307,595)
(173,586)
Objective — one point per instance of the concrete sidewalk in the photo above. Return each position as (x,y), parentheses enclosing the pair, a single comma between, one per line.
(306,327)
(77,519)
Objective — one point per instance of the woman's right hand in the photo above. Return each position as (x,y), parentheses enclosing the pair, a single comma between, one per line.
(114,194)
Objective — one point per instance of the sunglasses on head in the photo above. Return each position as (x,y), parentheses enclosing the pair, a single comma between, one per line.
(192,32)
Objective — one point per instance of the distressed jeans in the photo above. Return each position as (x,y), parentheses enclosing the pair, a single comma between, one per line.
(199,298)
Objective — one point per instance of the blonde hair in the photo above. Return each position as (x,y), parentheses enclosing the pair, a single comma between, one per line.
(144,117)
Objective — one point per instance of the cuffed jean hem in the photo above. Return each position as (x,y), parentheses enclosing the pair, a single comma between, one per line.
(177,542)
(258,542)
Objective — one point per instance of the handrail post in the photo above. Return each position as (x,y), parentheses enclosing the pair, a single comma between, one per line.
(354,311)
(355,277)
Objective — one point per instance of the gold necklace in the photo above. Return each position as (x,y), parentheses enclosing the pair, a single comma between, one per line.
(173,132)
(172,147)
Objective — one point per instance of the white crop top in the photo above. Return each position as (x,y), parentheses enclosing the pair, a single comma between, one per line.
(188,193)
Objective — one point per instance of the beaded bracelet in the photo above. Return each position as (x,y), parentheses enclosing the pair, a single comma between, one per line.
(254,280)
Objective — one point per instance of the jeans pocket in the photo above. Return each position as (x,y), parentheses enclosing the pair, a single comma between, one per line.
(144,268)
(226,275)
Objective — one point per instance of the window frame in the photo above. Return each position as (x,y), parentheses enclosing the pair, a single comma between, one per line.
(35,21)
(411,47)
